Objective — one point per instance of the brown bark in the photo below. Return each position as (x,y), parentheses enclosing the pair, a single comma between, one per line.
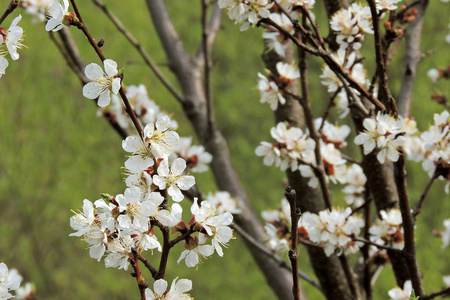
(328,270)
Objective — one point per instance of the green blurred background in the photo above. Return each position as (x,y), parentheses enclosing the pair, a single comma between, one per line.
(55,152)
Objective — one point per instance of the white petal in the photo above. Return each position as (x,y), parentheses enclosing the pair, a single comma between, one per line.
(186,182)
(53,25)
(93,71)
(175,193)
(178,166)
(163,123)
(92,90)
(104,99)
(110,67)
(160,286)
(115,86)
(163,168)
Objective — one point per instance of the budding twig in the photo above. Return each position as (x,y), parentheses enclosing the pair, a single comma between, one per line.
(416,210)
(141,51)
(129,108)
(293,252)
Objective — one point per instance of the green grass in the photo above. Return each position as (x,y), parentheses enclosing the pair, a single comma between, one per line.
(55,152)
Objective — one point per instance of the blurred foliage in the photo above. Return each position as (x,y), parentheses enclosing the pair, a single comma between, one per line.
(55,152)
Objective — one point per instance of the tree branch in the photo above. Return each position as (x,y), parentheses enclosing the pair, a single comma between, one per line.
(11,7)
(293,252)
(141,51)
(408,226)
(413,56)
(275,257)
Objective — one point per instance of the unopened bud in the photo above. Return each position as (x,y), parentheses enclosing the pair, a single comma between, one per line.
(410,18)
(141,281)
(70,19)
(398,32)
(3,32)
(414,11)
(107,197)
(101,43)
(191,242)
(115,212)
(387,25)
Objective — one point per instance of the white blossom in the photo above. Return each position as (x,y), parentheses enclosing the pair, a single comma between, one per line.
(384,133)
(194,255)
(445,235)
(173,179)
(9,281)
(223,202)
(177,290)
(197,159)
(57,13)
(38,8)
(401,294)
(388,230)
(102,84)
(13,41)
(383,5)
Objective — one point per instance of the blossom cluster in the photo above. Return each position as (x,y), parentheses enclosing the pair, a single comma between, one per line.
(351,24)
(388,230)
(12,39)
(333,230)
(430,147)
(177,290)
(294,150)
(385,134)
(127,220)
(272,87)
(115,227)
(248,12)
(10,280)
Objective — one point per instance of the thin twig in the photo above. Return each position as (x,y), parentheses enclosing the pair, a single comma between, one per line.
(166,241)
(327,110)
(207,66)
(380,59)
(141,51)
(366,249)
(180,238)
(442,292)
(352,278)
(70,53)
(368,242)
(148,265)
(329,60)
(408,225)
(274,256)
(129,108)
(416,210)
(309,118)
(293,252)
(142,284)
(11,7)
(68,59)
